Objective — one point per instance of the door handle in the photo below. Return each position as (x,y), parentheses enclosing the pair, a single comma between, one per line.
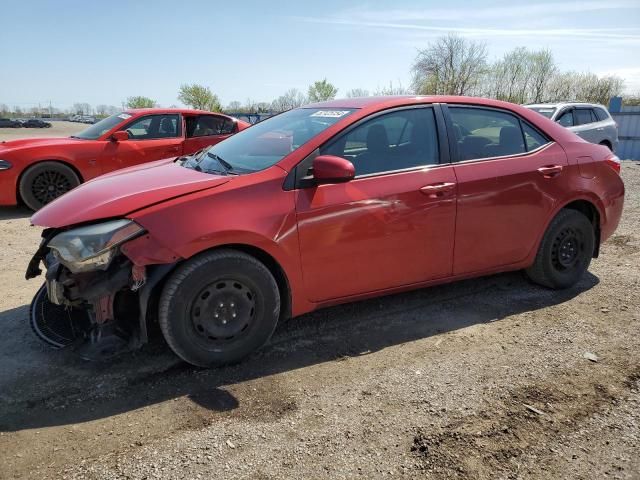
(438,190)
(550,171)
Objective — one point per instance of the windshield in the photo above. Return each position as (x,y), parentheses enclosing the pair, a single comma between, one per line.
(546,111)
(96,130)
(267,142)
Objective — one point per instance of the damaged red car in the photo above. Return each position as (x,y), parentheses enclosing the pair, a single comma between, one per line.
(321,205)
(35,171)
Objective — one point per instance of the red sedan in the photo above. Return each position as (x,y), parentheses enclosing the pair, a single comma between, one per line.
(318,206)
(38,170)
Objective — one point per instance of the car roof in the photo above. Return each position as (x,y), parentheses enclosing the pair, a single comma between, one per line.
(167,110)
(563,104)
(400,100)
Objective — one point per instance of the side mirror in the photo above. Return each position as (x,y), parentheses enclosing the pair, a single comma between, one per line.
(120,136)
(332,169)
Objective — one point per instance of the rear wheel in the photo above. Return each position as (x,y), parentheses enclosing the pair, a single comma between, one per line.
(46,181)
(219,307)
(565,251)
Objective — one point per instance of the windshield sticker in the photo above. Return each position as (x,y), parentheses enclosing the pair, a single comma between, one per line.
(330,113)
(124,116)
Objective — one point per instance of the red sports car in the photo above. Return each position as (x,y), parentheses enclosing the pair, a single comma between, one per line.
(37,170)
(317,206)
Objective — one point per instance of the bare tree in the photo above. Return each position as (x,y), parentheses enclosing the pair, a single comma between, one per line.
(543,68)
(82,108)
(357,92)
(234,106)
(392,90)
(452,65)
(292,98)
(4,109)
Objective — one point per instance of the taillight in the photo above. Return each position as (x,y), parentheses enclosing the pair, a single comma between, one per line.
(613,161)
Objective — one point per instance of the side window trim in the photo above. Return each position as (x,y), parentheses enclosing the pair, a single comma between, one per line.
(453,144)
(143,117)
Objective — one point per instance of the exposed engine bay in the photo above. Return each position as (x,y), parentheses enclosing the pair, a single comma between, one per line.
(95,300)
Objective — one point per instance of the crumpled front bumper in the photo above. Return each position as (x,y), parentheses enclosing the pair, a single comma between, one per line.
(118,299)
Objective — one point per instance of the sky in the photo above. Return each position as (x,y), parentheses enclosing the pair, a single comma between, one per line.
(66,51)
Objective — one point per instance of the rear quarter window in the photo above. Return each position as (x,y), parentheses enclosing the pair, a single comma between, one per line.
(601,114)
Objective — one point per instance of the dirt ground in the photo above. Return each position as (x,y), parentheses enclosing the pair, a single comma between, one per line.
(480,379)
(58,129)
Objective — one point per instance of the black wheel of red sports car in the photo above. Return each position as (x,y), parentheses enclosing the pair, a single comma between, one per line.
(219,307)
(565,251)
(46,181)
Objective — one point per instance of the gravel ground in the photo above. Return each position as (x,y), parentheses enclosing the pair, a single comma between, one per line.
(58,129)
(483,379)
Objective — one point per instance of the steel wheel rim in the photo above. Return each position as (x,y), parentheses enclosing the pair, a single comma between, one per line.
(49,185)
(222,313)
(568,248)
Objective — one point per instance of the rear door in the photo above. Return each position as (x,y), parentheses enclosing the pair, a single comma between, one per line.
(394,223)
(509,176)
(205,130)
(151,137)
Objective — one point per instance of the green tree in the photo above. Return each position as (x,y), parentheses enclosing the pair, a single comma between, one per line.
(199,97)
(140,102)
(321,91)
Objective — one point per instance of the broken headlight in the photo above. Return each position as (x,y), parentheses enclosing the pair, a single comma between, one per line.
(92,247)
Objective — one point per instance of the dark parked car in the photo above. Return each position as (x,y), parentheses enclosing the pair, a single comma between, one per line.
(8,123)
(321,205)
(35,123)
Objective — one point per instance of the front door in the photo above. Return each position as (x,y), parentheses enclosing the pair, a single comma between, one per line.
(393,224)
(152,137)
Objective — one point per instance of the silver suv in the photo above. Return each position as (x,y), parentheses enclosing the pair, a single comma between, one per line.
(592,122)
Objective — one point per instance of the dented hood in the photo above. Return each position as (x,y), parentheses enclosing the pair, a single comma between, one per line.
(124,191)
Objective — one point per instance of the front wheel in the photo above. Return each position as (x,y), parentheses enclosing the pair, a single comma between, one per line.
(46,181)
(219,307)
(565,251)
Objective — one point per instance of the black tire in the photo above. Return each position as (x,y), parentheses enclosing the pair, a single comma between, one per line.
(565,251)
(46,181)
(218,307)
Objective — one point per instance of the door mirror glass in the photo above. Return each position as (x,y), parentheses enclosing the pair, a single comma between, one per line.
(332,169)
(120,136)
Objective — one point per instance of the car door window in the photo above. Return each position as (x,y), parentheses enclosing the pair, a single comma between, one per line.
(583,116)
(393,141)
(485,133)
(566,119)
(205,125)
(533,138)
(601,114)
(155,127)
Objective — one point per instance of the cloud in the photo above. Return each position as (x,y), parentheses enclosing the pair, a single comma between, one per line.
(591,33)
(491,12)
(489,21)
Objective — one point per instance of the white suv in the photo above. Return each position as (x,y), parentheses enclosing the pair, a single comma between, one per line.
(592,122)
